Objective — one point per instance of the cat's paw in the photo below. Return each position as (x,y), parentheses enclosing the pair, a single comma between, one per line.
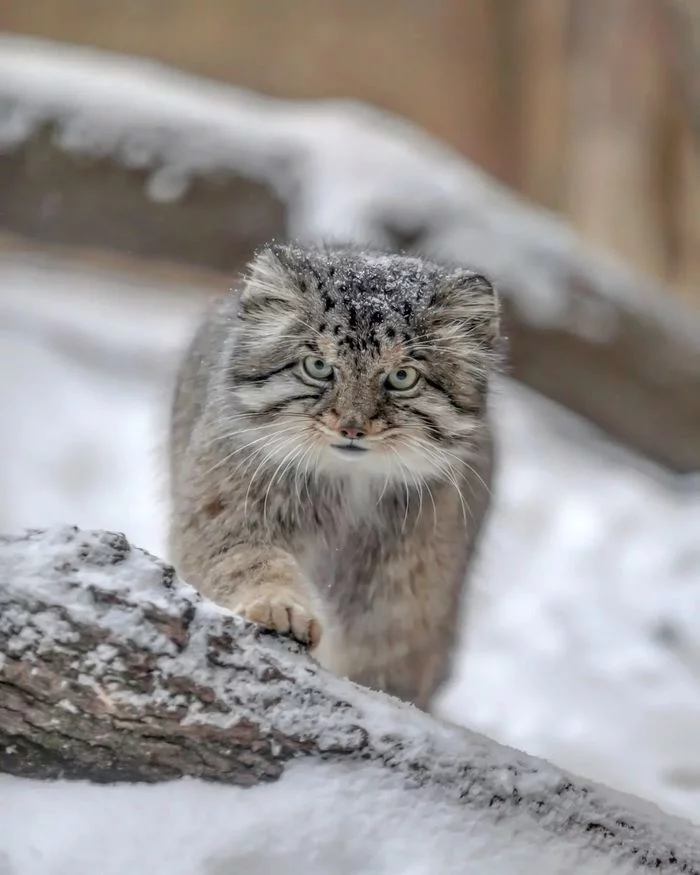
(284,613)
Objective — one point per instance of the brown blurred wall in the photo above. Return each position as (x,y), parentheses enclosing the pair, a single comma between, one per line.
(576,103)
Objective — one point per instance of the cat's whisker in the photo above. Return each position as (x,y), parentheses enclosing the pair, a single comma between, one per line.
(291,456)
(478,476)
(245,418)
(247,446)
(270,455)
(435,343)
(306,325)
(275,427)
(307,476)
(466,511)
(419,489)
(426,335)
(405,486)
(443,465)
(424,480)
(432,499)
(253,414)
(459,460)
(254,342)
(299,473)
(297,469)
(418,480)
(386,483)
(248,460)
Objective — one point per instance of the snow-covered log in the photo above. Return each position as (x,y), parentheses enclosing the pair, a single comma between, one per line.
(105,151)
(114,671)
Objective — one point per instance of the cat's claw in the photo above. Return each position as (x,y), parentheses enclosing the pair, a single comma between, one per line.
(283,614)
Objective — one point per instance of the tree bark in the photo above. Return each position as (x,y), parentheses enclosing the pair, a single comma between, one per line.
(113,670)
(113,154)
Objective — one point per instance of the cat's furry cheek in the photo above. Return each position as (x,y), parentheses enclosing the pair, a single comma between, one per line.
(253,398)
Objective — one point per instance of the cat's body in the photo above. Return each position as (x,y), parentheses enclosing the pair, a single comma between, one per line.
(331,456)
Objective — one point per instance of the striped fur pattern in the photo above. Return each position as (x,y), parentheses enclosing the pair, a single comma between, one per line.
(331,456)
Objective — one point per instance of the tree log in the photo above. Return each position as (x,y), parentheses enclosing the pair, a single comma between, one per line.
(113,670)
(102,151)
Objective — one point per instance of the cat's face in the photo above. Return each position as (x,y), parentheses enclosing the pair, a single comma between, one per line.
(362,364)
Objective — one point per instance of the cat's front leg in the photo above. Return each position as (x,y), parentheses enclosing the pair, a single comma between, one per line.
(265,585)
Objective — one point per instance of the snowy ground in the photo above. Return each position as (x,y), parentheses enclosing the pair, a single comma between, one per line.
(581,645)
(319,819)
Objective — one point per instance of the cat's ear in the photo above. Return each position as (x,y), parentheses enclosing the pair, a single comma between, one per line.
(469,302)
(269,287)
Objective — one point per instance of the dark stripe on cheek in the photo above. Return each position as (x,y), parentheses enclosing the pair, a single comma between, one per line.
(261,378)
(431,424)
(443,391)
(470,410)
(278,406)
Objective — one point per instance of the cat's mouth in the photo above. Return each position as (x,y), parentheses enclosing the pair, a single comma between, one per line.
(349,448)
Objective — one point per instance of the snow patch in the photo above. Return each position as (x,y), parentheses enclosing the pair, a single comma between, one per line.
(317,819)
(507,809)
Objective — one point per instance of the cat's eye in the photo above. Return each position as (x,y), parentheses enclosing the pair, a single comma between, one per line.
(317,368)
(402,379)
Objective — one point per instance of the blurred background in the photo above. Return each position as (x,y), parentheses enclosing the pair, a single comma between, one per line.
(590,107)
(129,194)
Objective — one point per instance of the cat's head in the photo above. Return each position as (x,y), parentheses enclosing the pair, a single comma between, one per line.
(362,363)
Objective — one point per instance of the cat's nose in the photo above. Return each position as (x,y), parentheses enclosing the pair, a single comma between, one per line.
(351,433)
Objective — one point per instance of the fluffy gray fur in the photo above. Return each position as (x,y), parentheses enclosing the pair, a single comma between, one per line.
(317,489)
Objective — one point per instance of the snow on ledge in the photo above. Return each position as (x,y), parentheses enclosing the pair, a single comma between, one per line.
(512,813)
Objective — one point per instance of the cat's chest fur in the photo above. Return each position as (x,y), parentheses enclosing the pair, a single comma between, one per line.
(344,530)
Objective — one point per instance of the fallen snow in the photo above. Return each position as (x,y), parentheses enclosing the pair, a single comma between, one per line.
(318,819)
(84,369)
(480,803)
